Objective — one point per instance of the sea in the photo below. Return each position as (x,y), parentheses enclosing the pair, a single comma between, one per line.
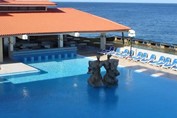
(155,22)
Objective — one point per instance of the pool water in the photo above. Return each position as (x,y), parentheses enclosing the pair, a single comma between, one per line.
(61,91)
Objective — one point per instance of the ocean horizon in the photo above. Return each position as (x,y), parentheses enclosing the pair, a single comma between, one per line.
(114,2)
(151,21)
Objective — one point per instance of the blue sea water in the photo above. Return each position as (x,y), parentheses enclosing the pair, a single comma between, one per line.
(157,22)
(61,91)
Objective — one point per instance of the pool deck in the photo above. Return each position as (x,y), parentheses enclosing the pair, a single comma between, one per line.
(12,68)
(140,67)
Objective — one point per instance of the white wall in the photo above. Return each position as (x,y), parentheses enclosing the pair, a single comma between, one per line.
(149,52)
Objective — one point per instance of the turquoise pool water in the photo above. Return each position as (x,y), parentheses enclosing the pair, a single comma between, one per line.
(60,90)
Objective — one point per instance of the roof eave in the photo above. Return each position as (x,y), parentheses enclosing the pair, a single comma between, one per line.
(50,33)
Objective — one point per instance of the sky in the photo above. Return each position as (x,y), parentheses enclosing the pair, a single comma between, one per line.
(132,1)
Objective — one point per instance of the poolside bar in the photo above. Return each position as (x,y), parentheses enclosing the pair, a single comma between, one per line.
(21,32)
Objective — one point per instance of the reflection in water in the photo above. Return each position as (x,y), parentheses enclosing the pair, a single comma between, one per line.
(105,97)
(128,79)
(111,97)
(25,93)
(75,85)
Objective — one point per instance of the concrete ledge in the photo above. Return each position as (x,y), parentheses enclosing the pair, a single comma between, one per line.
(16,69)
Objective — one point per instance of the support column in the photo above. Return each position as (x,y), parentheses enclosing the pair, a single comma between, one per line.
(11,45)
(1,49)
(123,38)
(60,41)
(103,41)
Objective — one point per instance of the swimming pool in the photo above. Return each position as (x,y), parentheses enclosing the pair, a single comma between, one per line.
(60,90)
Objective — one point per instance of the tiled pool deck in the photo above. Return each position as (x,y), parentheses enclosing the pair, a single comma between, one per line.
(13,68)
(146,68)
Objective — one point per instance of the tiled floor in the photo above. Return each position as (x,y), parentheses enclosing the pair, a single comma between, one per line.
(146,68)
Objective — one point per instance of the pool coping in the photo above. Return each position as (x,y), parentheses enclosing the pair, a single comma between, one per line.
(19,73)
(19,68)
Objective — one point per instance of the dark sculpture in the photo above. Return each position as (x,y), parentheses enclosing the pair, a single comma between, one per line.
(95,79)
(109,78)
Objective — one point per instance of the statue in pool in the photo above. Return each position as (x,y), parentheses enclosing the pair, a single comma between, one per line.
(109,79)
(95,79)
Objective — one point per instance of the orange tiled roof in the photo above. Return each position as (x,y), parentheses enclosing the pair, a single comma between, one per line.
(26,2)
(62,20)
